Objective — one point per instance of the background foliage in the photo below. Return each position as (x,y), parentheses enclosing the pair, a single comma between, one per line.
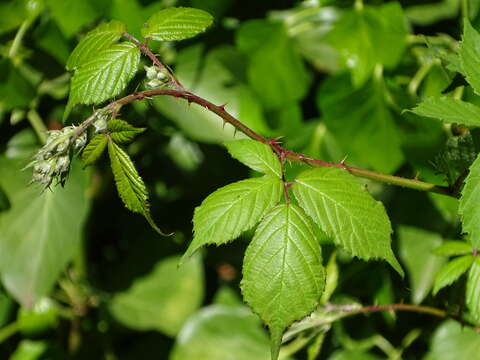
(84,278)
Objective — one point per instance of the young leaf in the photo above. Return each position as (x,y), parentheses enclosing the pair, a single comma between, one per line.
(449,110)
(233,209)
(94,149)
(105,75)
(130,185)
(470,55)
(255,155)
(473,290)
(468,206)
(283,276)
(347,212)
(452,248)
(94,42)
(451,272)
(122,132)
(176,23)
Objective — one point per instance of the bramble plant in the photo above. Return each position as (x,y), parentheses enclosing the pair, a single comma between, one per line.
(303,196)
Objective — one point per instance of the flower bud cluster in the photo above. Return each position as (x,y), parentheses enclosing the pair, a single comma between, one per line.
(156,76)
(52,161)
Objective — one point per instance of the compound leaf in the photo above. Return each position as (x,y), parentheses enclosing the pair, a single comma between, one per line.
(283,276)
(235,208)
(468,205)
(105,75)
(130,185)
(347,212)
(470,55)
(449,110)
(451,272)
(473,290)
(94,149)
(94,42)
(176,23)
(122,132)
(255,155)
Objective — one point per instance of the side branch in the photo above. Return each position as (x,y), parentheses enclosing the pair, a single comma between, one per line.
(287,154)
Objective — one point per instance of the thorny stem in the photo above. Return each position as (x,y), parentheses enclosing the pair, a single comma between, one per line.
(276,147)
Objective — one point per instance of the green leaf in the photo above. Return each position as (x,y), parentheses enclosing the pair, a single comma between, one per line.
(233,209)
(450,272)
(427,14)
(347,212)
(468,206)
(375,29)
(105,75)
(473,290)
(449,110)
(275,69)
(283,276)
(220,332)
(94,149)
(30,350)
(421,270)
(72,15)
(256,155)
(15,90)
(454,341)
(470,55)
(352,355)
(453,247)
(130,185)
(176,23)
(94,42)
(163,299)
(361,122)
(41,233)
(122,132)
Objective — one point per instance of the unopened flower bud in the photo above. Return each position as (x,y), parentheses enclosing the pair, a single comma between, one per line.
(42,167)
(151,72)
(62,165)
(161,76)
(52,135)
(154,83)
(62,146)
(100,124)
(80,141)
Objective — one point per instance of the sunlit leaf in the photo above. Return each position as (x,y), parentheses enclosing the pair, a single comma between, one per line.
(450,272)
(469,200)
(342,207)
(283,276)
(94,149)
(449,110)
(122,132)
(473,290)
(470,55)
(176,23)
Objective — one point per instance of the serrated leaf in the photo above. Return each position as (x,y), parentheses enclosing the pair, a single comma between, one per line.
(176,23)
(453,247)
(449,110)
(104,76)
(94,42)
(468,205)
(130,185)
(94,149)
(450,272)
(473,290)
(122,132)
(342,207)
(470,55)
(283,276)
(233,209)
(255,155)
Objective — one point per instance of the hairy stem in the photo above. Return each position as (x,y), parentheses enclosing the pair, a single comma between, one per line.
(276,147)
